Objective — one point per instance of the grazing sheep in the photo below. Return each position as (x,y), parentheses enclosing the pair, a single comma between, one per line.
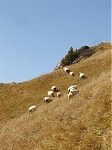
(72,87)
(32,109)
(72,90)
(71,73)
(59,94)
(51,94)
(82,76)
(53,88)
(66,70)
(70,95)
(47,99)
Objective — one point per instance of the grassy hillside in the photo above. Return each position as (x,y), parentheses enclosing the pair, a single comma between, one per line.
(82,123)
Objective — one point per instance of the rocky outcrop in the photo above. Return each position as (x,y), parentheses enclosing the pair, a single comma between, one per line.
(59,66)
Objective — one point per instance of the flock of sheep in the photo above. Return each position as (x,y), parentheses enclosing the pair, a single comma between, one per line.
(72,90)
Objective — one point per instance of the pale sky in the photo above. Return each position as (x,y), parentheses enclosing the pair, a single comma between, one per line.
(36,34)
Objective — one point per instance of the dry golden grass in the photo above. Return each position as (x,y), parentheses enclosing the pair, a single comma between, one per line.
(82,123)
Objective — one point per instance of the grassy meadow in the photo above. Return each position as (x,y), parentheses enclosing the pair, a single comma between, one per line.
(81,123)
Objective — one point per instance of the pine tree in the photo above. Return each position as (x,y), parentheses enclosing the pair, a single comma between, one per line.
(70,57)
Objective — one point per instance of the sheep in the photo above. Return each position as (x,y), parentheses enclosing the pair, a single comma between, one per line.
(72,87)
(47,99)
(32,109)
(66,70)
(70,95)
(51,94)
(59,94)
(71,73)
(82,76)
(53,88)
(72,90)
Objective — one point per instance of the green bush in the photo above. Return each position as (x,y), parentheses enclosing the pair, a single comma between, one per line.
(70,57)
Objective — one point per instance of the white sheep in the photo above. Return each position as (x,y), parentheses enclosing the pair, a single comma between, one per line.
(72,87)
(59,94)
(32,109)
(81,75)
(53,88)
(47,99)
(51,94)
(71,73)
(66,69)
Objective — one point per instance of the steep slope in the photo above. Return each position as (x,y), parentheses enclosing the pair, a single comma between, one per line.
(80,123)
